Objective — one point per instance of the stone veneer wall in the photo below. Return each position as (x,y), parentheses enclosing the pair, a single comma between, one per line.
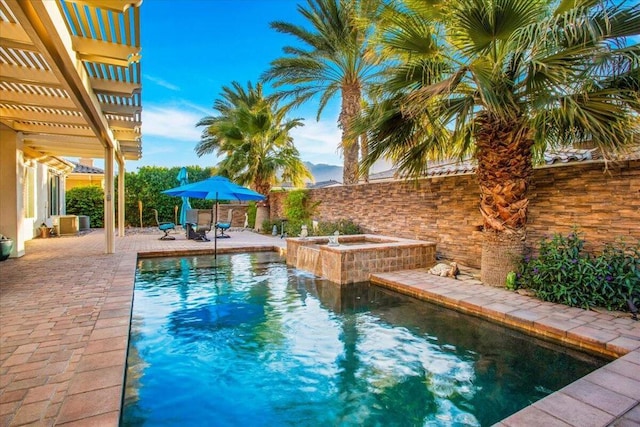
(603,204)
(238,213)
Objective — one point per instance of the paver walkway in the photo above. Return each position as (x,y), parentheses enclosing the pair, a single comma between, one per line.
(64,322)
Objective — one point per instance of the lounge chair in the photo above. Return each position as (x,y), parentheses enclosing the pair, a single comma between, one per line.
(224,225)
(198,224)
(165,227)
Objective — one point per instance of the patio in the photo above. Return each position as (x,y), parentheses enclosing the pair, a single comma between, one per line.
(65,310)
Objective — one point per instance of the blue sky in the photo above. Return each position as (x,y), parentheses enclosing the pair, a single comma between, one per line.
(190,49)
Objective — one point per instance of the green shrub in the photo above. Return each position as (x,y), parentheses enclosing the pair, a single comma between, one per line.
(294,227)
(251,214)
(87,201)
(267,226)
(565,273)
(146,185)
(297,211)
(511,281)
(344,226)
(295,206)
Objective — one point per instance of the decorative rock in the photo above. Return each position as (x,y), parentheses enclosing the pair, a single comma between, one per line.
(445,270)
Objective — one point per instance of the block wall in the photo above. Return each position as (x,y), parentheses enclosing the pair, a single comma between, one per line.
(604,204)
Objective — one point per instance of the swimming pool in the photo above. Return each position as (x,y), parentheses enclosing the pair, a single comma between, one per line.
(244,340)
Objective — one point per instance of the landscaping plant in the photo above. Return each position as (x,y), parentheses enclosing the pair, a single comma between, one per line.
(563,272)
(87,201)
(343,226)
(297,211)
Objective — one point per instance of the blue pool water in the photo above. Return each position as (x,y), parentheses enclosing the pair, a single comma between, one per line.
(245,341)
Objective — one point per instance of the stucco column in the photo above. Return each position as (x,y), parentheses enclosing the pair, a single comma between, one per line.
(11,189)
(121,216)
(109,205)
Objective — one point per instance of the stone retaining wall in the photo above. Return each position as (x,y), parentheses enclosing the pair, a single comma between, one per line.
(604,204)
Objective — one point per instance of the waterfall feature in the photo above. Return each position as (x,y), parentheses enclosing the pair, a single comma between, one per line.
(308,259)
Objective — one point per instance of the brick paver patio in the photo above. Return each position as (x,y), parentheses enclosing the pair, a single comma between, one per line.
(64,323)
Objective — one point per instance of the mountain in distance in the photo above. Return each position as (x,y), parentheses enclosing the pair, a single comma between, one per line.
(323,172)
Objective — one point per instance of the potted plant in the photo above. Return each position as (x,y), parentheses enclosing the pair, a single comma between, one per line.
(44,231)
(6,245)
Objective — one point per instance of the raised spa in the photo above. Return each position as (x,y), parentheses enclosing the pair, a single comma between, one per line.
(355,257)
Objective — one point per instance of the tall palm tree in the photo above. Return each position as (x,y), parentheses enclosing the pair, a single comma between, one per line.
(336,57)
(251,133)
(501,80)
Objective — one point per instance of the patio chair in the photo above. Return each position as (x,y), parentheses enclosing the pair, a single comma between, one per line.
(201,226)
(165,227)
(224,225)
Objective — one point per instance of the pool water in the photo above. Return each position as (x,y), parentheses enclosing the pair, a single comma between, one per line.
(245,341)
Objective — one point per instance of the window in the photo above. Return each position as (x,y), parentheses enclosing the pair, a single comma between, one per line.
(54,194)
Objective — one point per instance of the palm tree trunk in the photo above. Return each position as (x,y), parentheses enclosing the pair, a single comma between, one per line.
(351,106)
(263,212)
(264,188)
(364,152)
(504,174)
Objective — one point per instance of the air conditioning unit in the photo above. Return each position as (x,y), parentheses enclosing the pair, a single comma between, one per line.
(65,224)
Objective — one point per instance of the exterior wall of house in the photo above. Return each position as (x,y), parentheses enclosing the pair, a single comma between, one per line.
(24,192)
(603,204)
(84,180)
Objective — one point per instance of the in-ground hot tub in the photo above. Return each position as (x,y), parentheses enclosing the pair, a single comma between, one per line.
(357,256)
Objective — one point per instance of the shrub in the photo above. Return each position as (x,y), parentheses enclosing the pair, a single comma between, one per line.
(295,206)
(344,226)
(87,201)
(565,273)
(146,186)
(267,226)
(297,211)
(251,214)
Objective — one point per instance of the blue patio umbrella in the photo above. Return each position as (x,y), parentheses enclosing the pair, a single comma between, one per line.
(183,179)
(215,188)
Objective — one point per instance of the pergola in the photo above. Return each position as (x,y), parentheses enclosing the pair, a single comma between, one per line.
(70,84)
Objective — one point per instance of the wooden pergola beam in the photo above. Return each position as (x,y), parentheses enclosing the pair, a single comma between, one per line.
(53,130)
(37,100)
(112,87)
(105,52)
(18,74)
(37,116)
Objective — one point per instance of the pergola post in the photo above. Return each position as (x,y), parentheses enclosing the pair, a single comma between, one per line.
(109,206)
(121,208)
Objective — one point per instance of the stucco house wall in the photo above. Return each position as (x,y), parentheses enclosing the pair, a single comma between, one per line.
(25,190)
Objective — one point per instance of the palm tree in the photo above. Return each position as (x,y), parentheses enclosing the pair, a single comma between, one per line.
(336,58)
(251,133)
(500,81)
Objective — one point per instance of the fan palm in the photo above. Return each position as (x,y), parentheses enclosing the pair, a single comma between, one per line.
(251,133)
(502,80)
(336,57)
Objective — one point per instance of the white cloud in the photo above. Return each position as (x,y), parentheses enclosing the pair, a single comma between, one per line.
(171,123)
(170,136)
(160,82)
(318,142)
